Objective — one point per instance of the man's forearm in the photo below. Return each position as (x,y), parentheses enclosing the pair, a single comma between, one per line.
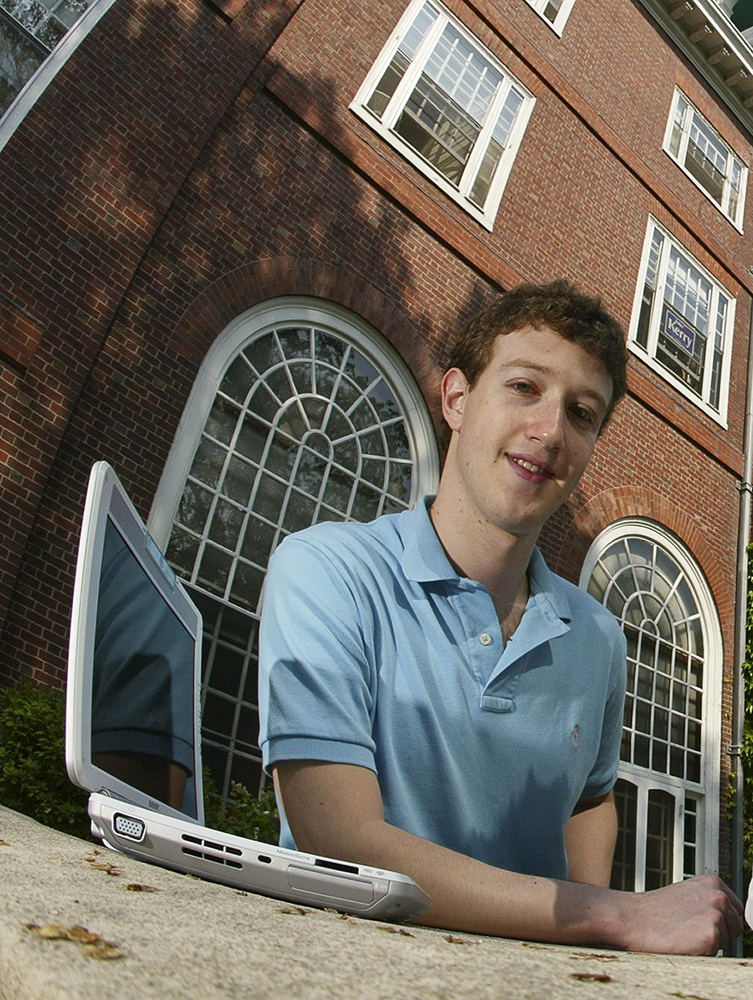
(335,809)
(590,837)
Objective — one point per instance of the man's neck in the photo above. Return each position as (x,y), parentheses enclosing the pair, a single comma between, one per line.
(489,555)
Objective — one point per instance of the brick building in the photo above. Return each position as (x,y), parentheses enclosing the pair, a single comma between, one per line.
(237,237)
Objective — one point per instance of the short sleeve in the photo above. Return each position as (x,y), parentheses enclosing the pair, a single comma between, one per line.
(604,773)
(316,678)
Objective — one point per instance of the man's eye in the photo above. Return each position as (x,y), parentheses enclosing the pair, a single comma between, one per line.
(581,413)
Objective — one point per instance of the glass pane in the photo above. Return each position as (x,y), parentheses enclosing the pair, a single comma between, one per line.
(252,439)
(238,380)
(300,512)
(214,569)
(263,353)
(295,343)
(246,586)
(208,463)
(226,669)
(258,541)
(397,440)
(659,839)
(194,507)
(623,868)
(222,420)
(239,481)
(182,551)
(19,60)
(226,524)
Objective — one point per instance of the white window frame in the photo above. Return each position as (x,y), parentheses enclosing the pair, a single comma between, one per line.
(385,125)
(288,309)
(39,81)
(707,792)
(557,24)
(230,716)
(647,352)
(680,155)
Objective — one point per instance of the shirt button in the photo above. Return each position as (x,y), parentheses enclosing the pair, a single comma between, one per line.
(485,639)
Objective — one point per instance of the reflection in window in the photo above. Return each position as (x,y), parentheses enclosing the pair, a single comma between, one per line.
(699,149)
(623,867)
(306,425)
(29,31)
(448,105)
(555,12)
(647,592)
(650,585)
(682,323)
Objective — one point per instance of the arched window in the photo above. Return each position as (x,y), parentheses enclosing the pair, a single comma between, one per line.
(668,791)
(300,413)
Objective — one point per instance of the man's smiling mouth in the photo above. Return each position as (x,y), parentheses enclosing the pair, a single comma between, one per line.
(532,467)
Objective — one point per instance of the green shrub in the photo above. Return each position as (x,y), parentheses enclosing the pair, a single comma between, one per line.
(242,813)
(33,778)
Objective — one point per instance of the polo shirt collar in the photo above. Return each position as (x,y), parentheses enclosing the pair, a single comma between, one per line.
(424,561)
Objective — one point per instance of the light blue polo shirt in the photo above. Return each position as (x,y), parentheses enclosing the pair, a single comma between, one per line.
(373,651)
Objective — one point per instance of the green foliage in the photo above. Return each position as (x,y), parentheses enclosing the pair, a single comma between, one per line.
(33,778)
(242,813)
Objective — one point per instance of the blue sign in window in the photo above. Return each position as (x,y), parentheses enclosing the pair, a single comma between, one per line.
(680,332)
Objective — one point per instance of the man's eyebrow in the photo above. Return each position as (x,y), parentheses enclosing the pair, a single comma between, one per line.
(545,370)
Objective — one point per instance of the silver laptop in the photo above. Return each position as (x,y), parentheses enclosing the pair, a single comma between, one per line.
(133,727)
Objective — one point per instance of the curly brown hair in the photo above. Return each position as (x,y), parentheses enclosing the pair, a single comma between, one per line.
(558,305)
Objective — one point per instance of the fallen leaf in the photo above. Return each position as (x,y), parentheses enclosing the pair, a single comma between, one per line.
(104,950)
(4,843)
(595,955)
(395,930)
(298,910)
(456,940)
(92,944)
(591,977)
(104,866)
(137,887)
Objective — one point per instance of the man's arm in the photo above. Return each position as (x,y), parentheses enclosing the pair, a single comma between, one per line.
(336,810)
(590,836)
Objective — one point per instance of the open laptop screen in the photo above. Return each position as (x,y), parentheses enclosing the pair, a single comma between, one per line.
(133,663)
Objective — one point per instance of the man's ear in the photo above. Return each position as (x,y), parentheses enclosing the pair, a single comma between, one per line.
(455,389)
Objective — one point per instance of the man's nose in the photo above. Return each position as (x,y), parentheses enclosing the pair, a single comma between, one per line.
(548,424)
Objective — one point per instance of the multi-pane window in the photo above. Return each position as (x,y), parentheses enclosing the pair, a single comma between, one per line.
(682,322)
(29,31)
(670,732)
(555,12)
(448,105)
(308,421)
(702,153)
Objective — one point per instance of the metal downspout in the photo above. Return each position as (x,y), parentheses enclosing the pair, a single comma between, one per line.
(741,610)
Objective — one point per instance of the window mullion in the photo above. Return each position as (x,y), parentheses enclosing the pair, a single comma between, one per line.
(484,138)
(657,310)
(413,73)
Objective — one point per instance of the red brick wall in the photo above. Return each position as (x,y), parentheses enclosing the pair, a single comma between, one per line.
(193,158)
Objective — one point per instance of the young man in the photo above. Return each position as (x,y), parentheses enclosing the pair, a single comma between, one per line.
(435,701)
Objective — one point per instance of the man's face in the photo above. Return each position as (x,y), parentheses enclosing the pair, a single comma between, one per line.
(524,433)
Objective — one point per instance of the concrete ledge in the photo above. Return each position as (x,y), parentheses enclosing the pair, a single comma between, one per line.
(192,939)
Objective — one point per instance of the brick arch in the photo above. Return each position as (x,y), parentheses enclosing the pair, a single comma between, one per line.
(250,284)
(638,501)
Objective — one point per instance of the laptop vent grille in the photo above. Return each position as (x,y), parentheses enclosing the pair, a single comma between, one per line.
(225,855)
